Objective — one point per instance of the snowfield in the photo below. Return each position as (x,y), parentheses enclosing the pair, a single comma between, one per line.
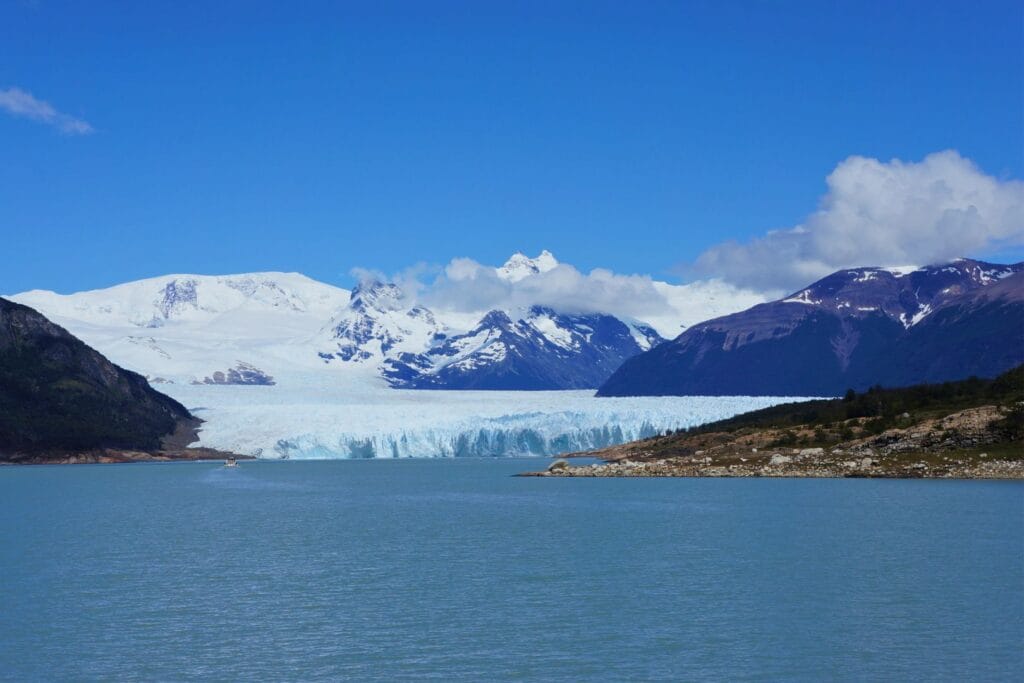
(320,419)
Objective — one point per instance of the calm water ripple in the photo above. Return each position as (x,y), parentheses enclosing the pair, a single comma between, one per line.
(455,570)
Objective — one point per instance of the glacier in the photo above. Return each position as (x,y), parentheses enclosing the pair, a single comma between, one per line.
(320,419)
(252,355)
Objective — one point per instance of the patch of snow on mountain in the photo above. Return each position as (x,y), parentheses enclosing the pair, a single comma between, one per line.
(901,271)
(922,313)
(803,297)
(557,335)
(993,275)
(641,334)
(475,351)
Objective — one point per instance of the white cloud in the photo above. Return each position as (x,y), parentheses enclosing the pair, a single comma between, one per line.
(17,102)
(878,214)
(468,287)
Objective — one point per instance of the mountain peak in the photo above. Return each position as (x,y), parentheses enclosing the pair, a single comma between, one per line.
(377,295)
(904,293)
(520,266)
(854,328)
(182,297)
(495,319)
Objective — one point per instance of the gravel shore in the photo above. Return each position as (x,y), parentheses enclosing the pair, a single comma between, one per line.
(966,444)
(793,466)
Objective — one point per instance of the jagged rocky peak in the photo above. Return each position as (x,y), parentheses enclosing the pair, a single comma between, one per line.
(242,374)
(520,266)
(377,296)
(176,296)
(537,348)
(379,320)
(422,313)
(495,319)
(573,330)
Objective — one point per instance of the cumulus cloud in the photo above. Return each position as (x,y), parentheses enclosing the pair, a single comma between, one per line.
(18,102)
(464,289)
(881,214)
(409,280)
(468,286)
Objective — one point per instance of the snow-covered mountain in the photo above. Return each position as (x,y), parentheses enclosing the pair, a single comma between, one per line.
(378,323)
(543,349)
(233,329)
(907,294)
(538,348)
(152,302)
(280,365)
(511,348)
(262,328)
(854,328)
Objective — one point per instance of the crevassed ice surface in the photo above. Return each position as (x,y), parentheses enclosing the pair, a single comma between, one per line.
(321,419)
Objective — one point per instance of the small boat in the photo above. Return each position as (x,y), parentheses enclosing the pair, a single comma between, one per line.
(230,462)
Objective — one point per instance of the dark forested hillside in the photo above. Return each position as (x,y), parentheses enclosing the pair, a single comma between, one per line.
(56,393)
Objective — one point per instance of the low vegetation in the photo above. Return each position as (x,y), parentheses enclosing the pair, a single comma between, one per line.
(968,429)
(829,421)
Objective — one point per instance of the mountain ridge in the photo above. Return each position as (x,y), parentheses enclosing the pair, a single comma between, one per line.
(542,349)
(835,334)
(266,328)
(536,349)
(57,393)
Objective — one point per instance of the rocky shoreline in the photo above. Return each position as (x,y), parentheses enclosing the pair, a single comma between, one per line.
(963,445)
(912,469)
(110,456)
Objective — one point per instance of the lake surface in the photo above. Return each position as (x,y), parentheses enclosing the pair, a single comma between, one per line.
(456,570)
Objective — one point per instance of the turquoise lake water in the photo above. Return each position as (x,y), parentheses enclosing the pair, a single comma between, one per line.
(442,570)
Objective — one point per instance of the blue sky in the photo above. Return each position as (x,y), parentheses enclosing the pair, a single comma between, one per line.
(231,137)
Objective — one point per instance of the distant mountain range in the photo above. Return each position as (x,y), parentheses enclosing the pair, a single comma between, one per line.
(265,328)
(198,328)
(853,329)
(510,349)
(541,350)
(56,393)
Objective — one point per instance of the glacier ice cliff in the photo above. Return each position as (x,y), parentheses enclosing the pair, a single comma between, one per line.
(512,435)
(320,420)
